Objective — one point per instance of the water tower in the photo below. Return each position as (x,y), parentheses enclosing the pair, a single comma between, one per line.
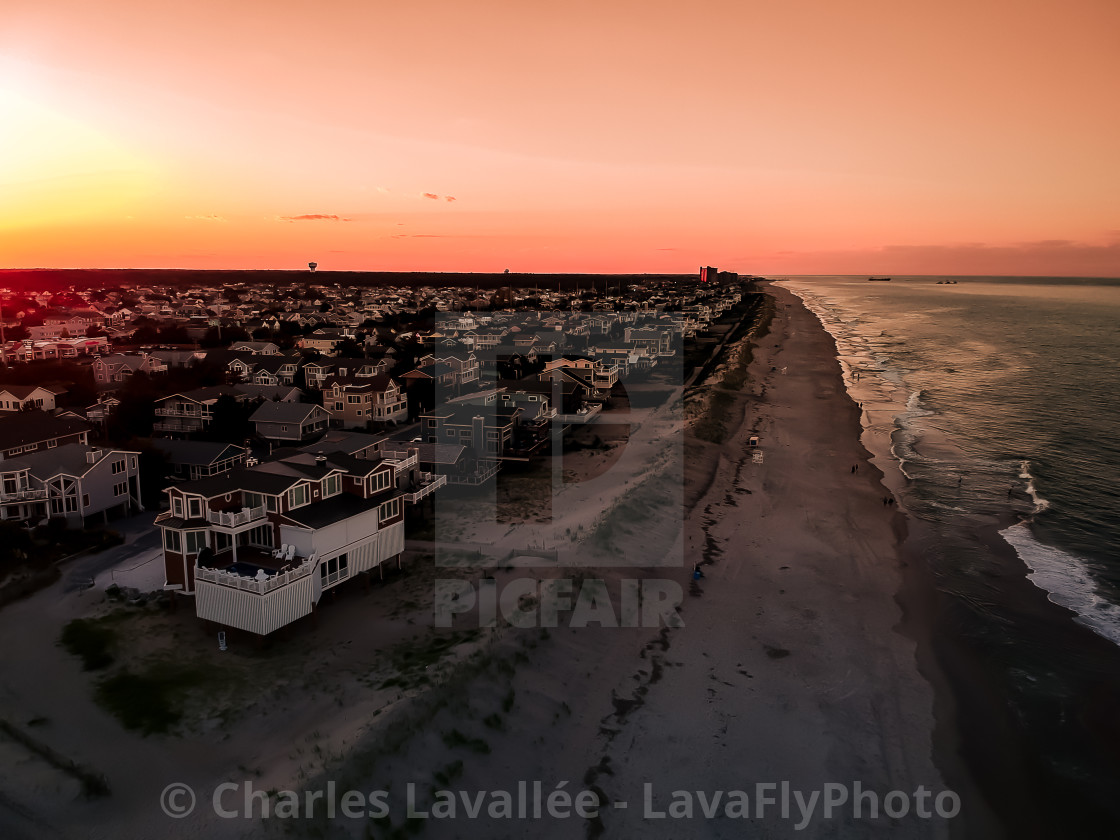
(313,266)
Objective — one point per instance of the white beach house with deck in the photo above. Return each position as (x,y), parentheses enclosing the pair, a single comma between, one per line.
(257,547)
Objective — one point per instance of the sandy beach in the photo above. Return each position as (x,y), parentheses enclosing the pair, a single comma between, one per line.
(795,665)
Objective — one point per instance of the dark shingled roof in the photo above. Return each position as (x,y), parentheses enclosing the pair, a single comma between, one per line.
(252,480)
(34,426)
(334,509)
(196,451)
(336,440)
(281,412)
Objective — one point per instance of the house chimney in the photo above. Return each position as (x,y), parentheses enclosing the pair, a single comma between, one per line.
(320,459)
(478,433)
(92,456)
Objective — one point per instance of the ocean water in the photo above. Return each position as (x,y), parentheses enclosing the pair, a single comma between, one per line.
(997,397)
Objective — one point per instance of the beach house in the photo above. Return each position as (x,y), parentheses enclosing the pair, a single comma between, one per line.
(257,547)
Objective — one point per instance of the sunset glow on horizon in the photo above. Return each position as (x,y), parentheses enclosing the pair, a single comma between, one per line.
(799,137)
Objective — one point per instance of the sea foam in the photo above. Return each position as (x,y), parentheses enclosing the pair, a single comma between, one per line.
(1066,580)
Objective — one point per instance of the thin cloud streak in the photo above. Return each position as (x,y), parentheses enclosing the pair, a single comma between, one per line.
(314,217)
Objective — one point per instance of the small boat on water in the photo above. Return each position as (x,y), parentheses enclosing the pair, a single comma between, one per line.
(878,279)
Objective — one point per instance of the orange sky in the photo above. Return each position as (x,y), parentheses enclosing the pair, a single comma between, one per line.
(800,136)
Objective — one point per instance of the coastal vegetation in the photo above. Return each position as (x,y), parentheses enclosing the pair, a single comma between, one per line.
(710,408)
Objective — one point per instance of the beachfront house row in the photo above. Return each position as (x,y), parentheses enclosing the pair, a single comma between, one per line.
(72,482)
(600,375)
(660,341)
(257,547)
(290,422)
(628,358)
(487,431)
(530,410)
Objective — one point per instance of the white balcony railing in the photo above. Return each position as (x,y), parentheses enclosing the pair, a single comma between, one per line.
(178,425)
(182,414)
(236,518)
(486,470)
(248,584)
(432,483)
(402,459)
(23,496)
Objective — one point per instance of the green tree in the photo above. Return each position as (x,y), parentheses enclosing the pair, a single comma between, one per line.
(348,348)
(230,423)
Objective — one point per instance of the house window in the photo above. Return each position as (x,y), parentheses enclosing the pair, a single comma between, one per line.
(261,536)
(332,485)
(195,541)
(252,500)
(389,510)
(172,541)
(177,506)
(194,508)
(353,400)
(51,444)
(334,570)
(379,481)
(297,496)
(133,463)
(120,489)
(118,467)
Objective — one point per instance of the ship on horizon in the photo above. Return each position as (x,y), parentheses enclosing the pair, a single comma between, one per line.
(878,279)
